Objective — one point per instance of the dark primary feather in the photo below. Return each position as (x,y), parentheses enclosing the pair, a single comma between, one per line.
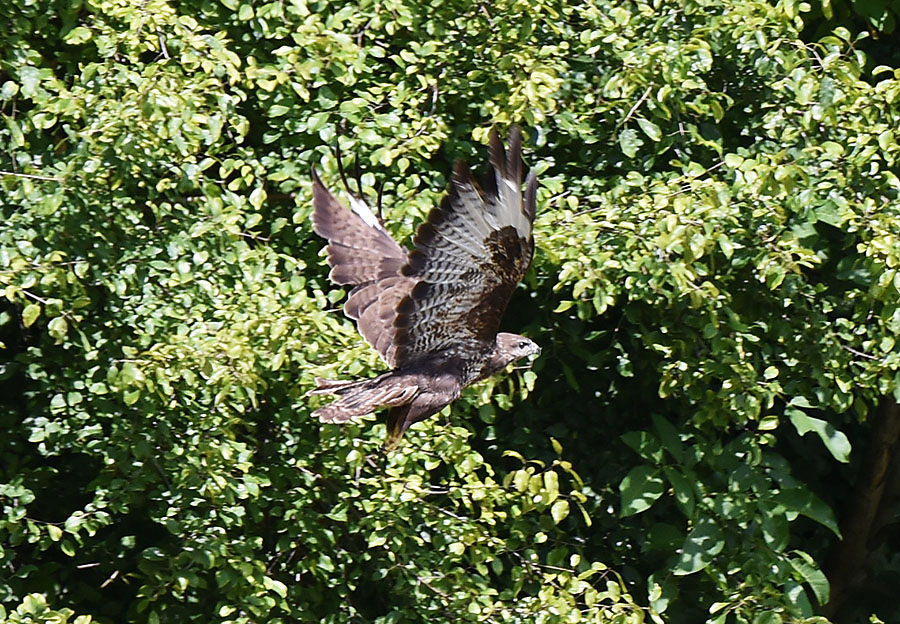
(433,314)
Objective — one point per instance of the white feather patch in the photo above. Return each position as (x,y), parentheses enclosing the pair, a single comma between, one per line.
(365,213)
(510,200)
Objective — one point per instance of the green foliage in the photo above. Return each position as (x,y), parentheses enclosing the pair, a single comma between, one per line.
(34,610)
(717,275)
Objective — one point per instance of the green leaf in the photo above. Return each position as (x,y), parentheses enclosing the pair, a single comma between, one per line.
(645,444)
(30,314)
(551,485)
(639,489)
(650,129)
(258,198)
(775,528)
(559,510)
(277,586)
(830,213)
(768,423)
(700,547)
(557,447)
(835,441)
(58,328)
(683,488)
(733,160)
(806,567)
(30,77)
(78,35)
(767,617)
(630,142)
(669,437)
(18,138)
(801,500)
(8,90)
(316,121)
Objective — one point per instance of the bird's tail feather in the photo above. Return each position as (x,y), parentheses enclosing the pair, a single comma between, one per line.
(335,386)
(361,397)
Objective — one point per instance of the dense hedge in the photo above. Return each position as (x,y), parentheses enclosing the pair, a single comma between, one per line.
(715,288)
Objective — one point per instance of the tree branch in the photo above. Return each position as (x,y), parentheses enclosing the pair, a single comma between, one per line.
(845,567)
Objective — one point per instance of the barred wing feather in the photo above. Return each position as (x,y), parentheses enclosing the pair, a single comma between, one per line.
(468,257)
(363,254)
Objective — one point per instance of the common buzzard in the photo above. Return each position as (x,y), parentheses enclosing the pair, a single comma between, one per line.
(433,313)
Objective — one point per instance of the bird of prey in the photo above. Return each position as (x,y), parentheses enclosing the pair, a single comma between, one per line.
(433,314)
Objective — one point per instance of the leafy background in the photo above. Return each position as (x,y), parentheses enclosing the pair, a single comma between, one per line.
(715,289)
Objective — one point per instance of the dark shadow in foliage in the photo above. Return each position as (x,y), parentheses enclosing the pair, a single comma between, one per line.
(878,18)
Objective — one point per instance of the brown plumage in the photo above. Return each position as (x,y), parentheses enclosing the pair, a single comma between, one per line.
(433,313)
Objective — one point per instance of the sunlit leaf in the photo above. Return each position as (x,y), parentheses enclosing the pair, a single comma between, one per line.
(702,544)
(835,441)
(639,489)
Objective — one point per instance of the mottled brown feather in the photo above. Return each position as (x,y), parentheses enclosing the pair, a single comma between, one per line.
(357,252)
(390,392)
(433,314)
(469,254)
(364,255)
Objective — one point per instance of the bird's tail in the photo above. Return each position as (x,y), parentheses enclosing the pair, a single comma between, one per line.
(361,397)
(335,386)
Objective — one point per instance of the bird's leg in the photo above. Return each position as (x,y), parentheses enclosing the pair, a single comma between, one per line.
(396,425)
(402,416)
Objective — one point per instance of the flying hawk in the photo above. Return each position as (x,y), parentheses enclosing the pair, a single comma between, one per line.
(433,313)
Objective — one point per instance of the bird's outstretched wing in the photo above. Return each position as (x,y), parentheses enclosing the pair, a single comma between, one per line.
(453,288)
(468,257)
(362,254)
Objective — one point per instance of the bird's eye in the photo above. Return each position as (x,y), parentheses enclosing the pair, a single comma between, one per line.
(523,344)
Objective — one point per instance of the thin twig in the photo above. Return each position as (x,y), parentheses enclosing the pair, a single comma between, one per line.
(449,513)
(635,107)
(434,98)
(32,177)
(858,353)
(111,578)
(162,45)
(422,580)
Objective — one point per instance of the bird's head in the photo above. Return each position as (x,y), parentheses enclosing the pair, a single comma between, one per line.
(512,347)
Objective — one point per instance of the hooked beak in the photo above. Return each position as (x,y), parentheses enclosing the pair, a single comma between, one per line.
(528,360)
